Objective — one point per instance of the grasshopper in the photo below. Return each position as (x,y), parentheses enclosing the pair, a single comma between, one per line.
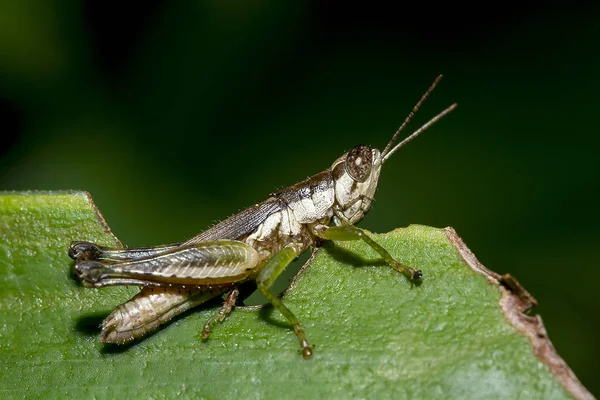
(251,247)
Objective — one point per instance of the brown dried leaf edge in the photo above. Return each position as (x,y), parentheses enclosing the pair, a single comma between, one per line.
(514,302)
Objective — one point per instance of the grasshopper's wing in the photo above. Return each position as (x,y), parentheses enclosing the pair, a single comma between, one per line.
(233,228)
(241,224)
(214,257)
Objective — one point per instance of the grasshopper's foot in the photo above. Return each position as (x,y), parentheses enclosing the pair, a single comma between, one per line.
(307,349)
(81,251)
(209,324)
(411,273)
(416,275)
(205,332)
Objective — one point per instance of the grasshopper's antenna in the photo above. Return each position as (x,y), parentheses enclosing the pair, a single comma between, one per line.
(419,131)
(385,152)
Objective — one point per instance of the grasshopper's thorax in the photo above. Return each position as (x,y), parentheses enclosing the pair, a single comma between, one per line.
(356,175)
(340,194)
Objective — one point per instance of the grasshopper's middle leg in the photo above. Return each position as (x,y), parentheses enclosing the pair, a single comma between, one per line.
(351,232)
(237,293)
(267,277)
(223,312)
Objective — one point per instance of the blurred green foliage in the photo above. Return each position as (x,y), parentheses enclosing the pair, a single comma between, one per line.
(177,114)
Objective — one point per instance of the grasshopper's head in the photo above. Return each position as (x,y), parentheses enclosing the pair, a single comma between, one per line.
(356,173)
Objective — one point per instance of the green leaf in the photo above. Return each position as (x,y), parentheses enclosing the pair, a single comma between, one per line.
(460,334)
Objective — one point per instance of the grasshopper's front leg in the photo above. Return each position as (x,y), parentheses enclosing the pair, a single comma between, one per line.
(351,232)
(267,277)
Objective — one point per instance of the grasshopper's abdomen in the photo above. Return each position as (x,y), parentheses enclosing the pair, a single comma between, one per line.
(207,263)
(150,308)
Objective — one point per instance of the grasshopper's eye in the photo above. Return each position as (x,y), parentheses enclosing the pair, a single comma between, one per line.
(359,163)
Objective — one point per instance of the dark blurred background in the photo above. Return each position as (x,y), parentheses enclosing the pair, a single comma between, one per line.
(177,114)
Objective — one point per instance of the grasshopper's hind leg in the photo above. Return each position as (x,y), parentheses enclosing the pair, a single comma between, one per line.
(267,277)
(202,264)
